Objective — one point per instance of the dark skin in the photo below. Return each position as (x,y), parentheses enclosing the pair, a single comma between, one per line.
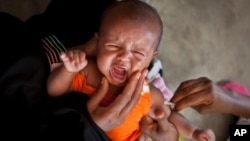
(207,97)
(158,127)
(107,117)
(162,123)
(119,109)
(113,115)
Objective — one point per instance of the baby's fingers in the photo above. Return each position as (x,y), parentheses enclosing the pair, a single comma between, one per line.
(64,57)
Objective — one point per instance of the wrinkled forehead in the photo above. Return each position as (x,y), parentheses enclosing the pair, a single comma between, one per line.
(126,32)
(124,22)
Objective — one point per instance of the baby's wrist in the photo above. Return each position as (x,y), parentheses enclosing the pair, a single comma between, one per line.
(68,72)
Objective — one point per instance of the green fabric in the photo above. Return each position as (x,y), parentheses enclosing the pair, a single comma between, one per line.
(181,138)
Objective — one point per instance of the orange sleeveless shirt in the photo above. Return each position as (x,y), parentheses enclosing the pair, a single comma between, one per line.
(129,130)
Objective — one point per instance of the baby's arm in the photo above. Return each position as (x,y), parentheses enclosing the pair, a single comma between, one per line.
(189,130)
(155,125)
(60,79)
(184,126)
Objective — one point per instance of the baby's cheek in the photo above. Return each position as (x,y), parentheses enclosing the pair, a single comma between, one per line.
(139,64)
(135,67)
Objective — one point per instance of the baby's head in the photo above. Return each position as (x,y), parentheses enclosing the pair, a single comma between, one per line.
(127,40)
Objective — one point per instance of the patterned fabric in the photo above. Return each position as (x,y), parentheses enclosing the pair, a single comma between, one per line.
(160,84)
(155,69)
(234,86)
(155,77)
(53,47)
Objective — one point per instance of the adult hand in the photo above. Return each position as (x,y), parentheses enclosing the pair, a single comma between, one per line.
(201,94)
(156,127)
(114,114)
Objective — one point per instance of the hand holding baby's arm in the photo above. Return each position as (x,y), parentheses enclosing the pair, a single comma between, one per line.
(74,60)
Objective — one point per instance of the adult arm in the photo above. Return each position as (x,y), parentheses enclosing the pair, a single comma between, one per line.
(207,97)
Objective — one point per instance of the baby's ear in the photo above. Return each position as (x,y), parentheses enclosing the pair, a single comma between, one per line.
(155,53)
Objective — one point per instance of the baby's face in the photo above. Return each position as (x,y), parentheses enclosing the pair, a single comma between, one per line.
(123,48)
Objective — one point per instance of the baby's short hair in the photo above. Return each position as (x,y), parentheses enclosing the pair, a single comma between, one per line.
(134,10)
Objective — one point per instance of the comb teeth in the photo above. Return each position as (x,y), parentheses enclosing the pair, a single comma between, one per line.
(170,104)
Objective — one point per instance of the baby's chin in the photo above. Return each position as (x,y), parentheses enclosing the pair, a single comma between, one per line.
(116,84)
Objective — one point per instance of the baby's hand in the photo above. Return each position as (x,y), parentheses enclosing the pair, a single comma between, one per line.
(74,60)
(203,135)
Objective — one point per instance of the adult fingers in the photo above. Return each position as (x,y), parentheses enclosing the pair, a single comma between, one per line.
(159,129)
(189,87)
(94,101)
(135,95)
(148,125)
(122,99)
(125,97)
(198,98)
(161,118)
(159,112)
(180,92)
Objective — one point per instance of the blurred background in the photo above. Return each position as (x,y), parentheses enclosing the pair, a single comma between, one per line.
(201,38)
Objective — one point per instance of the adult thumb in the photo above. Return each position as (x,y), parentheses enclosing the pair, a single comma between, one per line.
(157,113)
(161,118)
(96,98)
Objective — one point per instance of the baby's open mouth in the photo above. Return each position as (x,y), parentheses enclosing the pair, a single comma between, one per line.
(118,74)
